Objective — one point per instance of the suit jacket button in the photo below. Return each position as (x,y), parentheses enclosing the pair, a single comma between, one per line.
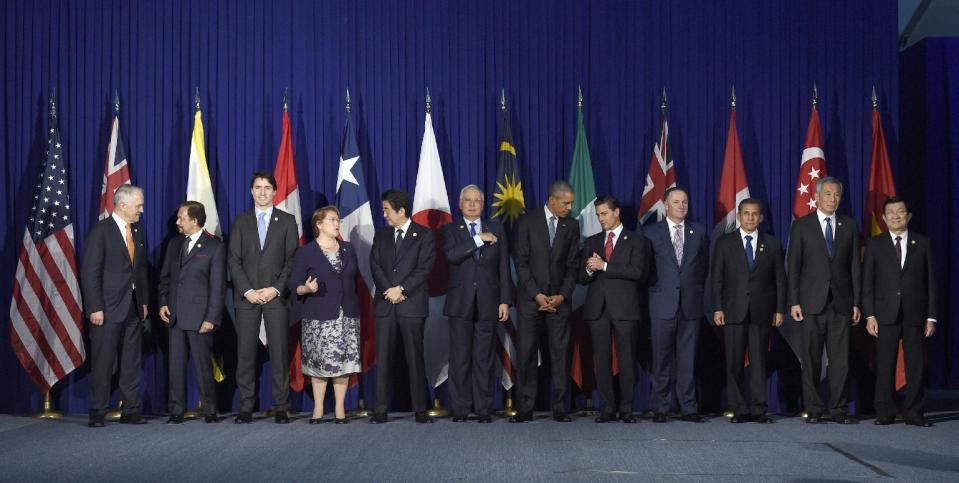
(898,293)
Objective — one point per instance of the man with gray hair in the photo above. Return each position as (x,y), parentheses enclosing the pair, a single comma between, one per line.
(116,292)
(823,295)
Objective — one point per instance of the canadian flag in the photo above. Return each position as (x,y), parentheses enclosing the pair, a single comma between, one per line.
(431,208)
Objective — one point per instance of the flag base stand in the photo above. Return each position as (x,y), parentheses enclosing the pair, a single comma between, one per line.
(360,411)
(48,412)
(194,414)
(115,414)
(437,411)
(590,409)
(508,411)
(728,414)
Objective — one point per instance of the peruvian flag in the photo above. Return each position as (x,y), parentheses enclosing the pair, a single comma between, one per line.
(733,185)
(881,187)
(288,199)
(431,208)
(116,170)
(660,177)
(812,168)
(356,227)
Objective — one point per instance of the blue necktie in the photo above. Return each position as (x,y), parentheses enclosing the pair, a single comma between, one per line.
(261,228)
(828,236)
(476,254)
(749,251)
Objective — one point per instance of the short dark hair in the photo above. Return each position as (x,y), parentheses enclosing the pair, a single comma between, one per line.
(674,188)
(609,200)
(195,210)
(398,199)
(559,187)
(893,200)
(263,175)
(318,216)
(750,201)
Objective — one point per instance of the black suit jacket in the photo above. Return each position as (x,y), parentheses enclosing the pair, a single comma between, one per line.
(107,276)
(542,269)
(193,288)
(617,288)
(737,290)
(487,280)
(813,274)
(886,288)
(410,268)
(252,268)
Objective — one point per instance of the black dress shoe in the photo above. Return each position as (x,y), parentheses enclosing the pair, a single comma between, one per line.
(844,419)
(484,419)
(922,422)
(561,417)
(762,418)
(341,421)
(423,417)
(693,418)
(132,418)
(378,418)
(660,418)
(459,419)
(243,417)
(883,421)
(627,418)
(96,422)
(318,420)
(175,419)
(521,418)
(605,418)
(211,418)
(281,417)
(738,418)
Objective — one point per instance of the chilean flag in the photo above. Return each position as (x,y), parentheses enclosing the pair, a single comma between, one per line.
(431,208)
(356,227)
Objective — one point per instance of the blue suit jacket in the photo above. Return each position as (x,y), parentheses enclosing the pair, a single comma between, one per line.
(486,280)
(671,284)
(193,288)
(336,290)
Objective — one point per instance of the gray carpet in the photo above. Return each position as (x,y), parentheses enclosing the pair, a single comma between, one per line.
(66,450)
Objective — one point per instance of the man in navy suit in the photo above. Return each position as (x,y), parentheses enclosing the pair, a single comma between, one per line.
(116,293)
(899,300)
(401,260)
(680,253)
(192,287)
(614,266)
(824,278)
(749,299)
(479,294)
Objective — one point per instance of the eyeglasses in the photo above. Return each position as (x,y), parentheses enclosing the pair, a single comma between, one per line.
(332,220)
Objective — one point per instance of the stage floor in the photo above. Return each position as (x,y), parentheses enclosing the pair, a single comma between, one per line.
(790,450)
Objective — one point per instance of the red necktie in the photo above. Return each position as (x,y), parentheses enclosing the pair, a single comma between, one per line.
(609,245)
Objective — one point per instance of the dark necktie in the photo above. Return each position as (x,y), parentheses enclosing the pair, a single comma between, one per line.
(552,230)
(749,251)
(185,252)
(476,254)
(397,241)
(609,245)
(829,236)
(899,251)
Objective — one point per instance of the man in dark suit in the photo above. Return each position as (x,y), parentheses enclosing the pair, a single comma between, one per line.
(192,286)
(749,298)
(401,260)
(546,255)
(824,279)
(614,266)
(899,300)
(680,253)
(262,244)
(479,294)
(115,285)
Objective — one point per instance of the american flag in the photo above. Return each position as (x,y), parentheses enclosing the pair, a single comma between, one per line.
(660,177)
(116,170)
(46,318)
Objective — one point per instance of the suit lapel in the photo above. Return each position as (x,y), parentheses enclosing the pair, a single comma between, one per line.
(199,245)
(411,233)
(118,241)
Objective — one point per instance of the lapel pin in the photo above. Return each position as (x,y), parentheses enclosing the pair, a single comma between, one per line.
(912,242)
(690,232)
(415,234)
(199,245)
(761,247)
(625,237)
(461,226)
(838,223)
(276,218)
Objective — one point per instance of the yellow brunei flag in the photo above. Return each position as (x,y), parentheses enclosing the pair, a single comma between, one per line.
(200,188)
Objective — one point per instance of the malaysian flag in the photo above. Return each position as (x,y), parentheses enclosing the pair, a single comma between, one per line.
(661,175)
(46,329)
(116,170)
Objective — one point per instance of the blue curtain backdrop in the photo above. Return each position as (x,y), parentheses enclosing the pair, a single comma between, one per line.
(242,54)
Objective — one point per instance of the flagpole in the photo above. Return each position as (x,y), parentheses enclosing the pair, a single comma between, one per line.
(48,412)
